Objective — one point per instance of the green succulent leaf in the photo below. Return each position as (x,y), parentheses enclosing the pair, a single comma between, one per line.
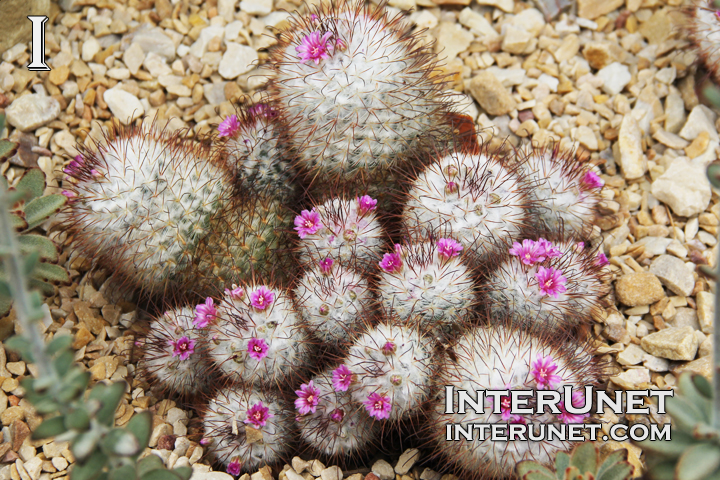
(684,412)
(90,469)
(121,443)
(703,385)
(126,472)
(43,287)
(616,471)
(109,397)
(183,472)
(64,362)
(7,149)
(51,427)
(18,223)
(528,466)
(148,464)
(140,425)
(5,304)
(20,345)
(33,182)
(61,342)
(672,449)
(84,446)
(584,457)
(40,209)
(30,261)
(698,462)
(160,474)
(52,273)
(75,382)
(78,419)
(43,245)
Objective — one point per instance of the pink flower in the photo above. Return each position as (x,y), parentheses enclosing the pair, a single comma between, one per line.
(314,47)
(307,223)
(183,348)
(366,204)
(337,415)
(391,262)
(70,195)
(518,419)
(326,265)
(73,168)
(236,293)
(229,127)
(448,248)
(577,400)
(389,347)
(204,441)
(551,281)
(505,407)
(258,415)
(543,370)
(262,109)
(592,180)
(530,252)
(378,406)
(601,260)
(308,398)
(341,378)
(257,348)
(204,313)
(548,249)
(261,298)
(233,468)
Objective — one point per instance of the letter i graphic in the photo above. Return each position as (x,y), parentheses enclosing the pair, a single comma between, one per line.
(37,57)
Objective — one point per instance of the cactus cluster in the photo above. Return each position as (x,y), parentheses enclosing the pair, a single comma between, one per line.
(307,310)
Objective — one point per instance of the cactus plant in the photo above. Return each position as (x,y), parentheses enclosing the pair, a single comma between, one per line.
(503,357)
(32,209)
(333,301)
(389,370)
(356,89)
(475,199)
(538,282)
(336,427)
(174,354)
(246,427)
(427,283)
(256,335)
(583,463)
(566,192)
(347,231)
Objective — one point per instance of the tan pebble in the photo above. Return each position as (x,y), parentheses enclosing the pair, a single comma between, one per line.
(59,463)
(639,289)
(16,368)
(58,76)
(699,145)
(11,414)
(82,338)
(10,384)
(97,371)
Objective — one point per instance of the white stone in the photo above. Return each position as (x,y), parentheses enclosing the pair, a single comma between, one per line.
(506,6)
(236,60)
(586,137)
(198,475)
(666,75)
(674,111)
(256,7)
(683,187)
(508,76)
(90,47)
(134,57)
(32,111)
(118,73)
(475,22)
(425,19)
(615,77)
(214,92)
(156,65)
(14,52)
(124,105)
(530,20)
(402,4)
(274,18)
(199,48)
(632,160)
(701,119)
(550,81)
(226,9)
(155,40)
(232,30)
(516,39)
(452,39)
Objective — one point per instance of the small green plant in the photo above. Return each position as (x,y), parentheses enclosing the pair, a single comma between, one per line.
(101,451)
(582,464)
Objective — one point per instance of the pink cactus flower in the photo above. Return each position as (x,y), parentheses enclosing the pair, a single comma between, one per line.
(389,347)
(236,293)
(577,400)
(70,195)
(257,348)
(448,248)
(308,398)
(366,204)
(183,347)
(326,265)
(315,47)
(341,378)
(391,262)
(530,252)
(543,371)
(261,298)
(307,223)
(204,313)
(601,260)
(73,168)
(337,415)
(233,468)
(378,406)
(592,180)
(258,415)
(548,248)
(551,281)
(229,127)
